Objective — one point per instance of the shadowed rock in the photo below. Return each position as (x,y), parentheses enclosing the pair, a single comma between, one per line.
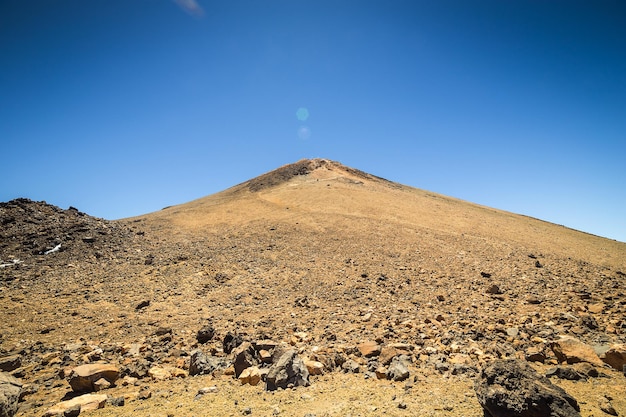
(512,388)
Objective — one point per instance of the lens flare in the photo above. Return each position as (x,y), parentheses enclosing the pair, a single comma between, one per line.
(304,132)
(302,114)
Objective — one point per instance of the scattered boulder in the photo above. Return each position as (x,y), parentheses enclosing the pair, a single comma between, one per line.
(10,389)
(387,353)
(399,368)
(244,357)
(571,350)
(84,402)
(230,342)
(288,371)
(351,367)
(512,388)
(494,289)
(205,334)
(203,364)
(83,377)
(314,367)
(369,349)
(252,375)
(615,356)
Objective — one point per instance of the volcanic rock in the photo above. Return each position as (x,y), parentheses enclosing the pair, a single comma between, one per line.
(511,388)
(571,350)
(205,334)
(244,357)
(85,402)
(10,389)
(251,375)
(83,377)
(289,370)
(615,356)
(399,368)
(369,349)
(203,364)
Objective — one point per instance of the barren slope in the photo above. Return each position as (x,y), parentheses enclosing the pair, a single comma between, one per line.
(323,257)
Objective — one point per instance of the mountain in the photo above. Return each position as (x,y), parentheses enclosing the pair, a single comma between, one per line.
(323,257)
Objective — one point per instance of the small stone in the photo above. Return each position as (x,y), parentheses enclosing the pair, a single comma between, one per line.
(402,405)
(265,356)
(494,289)
(605,405)
(245,357)
(369,349)
(399,370)
(351,366)
(73,411)
(251,375)
(314,367)
(288,370)
(596,308)
(535,354)
(387,353)
(512,331)
(142,304)
(117,401)
(205,334)
(563,372)
(381,372)
(101,384)
(144,393)
(208,390)
(159,373)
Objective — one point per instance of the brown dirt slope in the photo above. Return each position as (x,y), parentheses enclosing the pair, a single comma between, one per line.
(317,255)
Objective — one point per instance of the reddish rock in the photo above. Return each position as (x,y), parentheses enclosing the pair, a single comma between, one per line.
(83,377)
(571,350)
(615,356)
(369,349)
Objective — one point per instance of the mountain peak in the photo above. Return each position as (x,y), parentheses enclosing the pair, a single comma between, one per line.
(306,167)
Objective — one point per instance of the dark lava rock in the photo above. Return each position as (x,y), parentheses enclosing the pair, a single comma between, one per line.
(205,334)
(202,364)
(288,371)
(512,388)
(231,341)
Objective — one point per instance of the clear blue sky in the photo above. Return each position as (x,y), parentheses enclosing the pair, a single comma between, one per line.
(122,107)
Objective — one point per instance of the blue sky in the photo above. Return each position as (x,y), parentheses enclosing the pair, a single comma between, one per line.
(122,107)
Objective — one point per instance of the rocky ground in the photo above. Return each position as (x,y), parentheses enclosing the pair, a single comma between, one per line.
(314,290)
